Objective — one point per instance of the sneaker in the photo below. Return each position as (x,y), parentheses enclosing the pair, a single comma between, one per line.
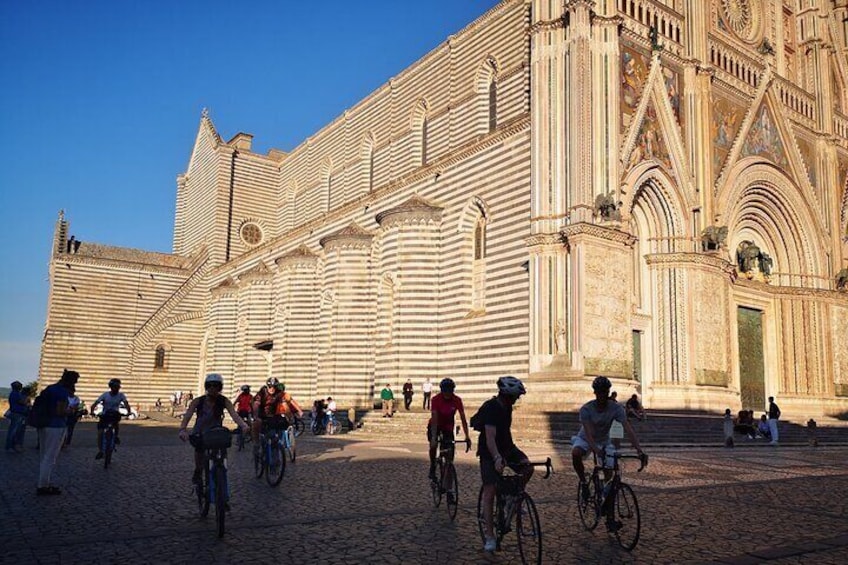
(99,455)
(490,545)
(613,526)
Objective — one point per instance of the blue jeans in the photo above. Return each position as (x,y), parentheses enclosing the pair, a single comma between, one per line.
(17,427)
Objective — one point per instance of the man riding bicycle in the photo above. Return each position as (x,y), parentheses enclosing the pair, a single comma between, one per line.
(440,428)
(209,410)
(112,401)
(596,418)
(287,406)
(266,404)
(496,448)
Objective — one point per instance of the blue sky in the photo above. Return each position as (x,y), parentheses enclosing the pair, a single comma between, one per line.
(101,102)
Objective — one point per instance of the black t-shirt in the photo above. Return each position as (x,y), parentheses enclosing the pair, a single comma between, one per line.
(493,413)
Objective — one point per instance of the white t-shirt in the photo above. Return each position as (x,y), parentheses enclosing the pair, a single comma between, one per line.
(331,406)
(427,386)
(111,402)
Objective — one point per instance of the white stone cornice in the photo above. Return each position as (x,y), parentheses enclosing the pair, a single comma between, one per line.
(257,274)
(684,259)
(72,259)
(300,258)
(228,287)
(352,236)
(544,240)
(414,210)
(579,230)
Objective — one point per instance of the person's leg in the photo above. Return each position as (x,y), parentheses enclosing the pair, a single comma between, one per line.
(99,438)
(255,430)
(51,442)
(773,429)
(14,424)
(578,452)
(22,426)
(489,477)
(72,423)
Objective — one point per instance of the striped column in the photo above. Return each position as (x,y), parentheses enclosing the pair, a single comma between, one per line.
(221,341)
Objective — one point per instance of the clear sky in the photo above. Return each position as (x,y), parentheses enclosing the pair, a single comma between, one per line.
(101,100)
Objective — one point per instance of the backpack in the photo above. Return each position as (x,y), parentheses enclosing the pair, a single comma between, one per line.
(476,421)
(40,414)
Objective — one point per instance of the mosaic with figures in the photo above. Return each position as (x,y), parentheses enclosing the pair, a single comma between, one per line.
(727,119)
(650,144)
(764,139)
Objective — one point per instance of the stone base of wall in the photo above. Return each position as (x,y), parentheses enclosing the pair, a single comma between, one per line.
(569,390)
(801,408)
(691,397)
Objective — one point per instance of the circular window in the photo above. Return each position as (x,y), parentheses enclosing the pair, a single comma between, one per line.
(251,233)
(741,17)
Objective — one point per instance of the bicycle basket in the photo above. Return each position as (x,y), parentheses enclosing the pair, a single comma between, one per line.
(510,484)
(217,438)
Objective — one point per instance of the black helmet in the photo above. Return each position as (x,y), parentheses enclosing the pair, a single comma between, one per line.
(272,382)
(245,388)
(447,385)
(511,386)
(114,382)
(601,383)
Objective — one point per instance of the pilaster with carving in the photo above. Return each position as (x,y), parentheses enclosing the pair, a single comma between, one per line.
(550,324)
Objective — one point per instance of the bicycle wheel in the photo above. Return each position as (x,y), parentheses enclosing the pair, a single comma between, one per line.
(109,446)
(451,486)
(220,498)
(335,427)
(629,523)
(587,506)
(259,459)
(299,427)
(436,485)
(202,495)
(291,450)
(529,531)
(275,465)
(481,523)
(315,427)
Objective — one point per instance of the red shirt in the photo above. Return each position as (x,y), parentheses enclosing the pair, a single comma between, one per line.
(243,402)
(446,409)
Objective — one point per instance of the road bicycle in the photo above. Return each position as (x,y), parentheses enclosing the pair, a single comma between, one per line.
(243,438)
(444,481)
(289,444)
(270,460)
(107,446)
(607,495)
(212,487)
(514,509)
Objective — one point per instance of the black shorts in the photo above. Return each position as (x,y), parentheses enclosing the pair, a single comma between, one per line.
(445,440)
(487,465)
(107,418)
(275,423)
(243,414)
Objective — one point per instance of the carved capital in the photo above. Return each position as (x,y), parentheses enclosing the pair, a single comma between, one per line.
(575,231)
(415,210)
(353,236)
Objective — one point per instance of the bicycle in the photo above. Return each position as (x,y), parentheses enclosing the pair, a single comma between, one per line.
(299,426)
(613,499)
(513,502)
(244,438)
(289,442)
(331,426)
(447,482)
(107,447)
(271,458)
(213,488)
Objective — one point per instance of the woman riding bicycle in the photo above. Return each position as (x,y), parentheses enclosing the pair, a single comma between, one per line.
(440,428)
(266,404)
(209,410)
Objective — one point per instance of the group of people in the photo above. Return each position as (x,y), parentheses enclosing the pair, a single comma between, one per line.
(497,450)
(387,396)
(54,413)
(744,423)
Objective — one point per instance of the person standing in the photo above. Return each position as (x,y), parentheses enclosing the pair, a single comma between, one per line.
(407,394)
(50,436)
(18,408)
(427,389)
(388,397)
(773,417)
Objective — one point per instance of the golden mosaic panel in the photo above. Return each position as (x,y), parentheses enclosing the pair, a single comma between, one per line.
(727,119)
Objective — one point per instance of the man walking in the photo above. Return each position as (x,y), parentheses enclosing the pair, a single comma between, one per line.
(387,396)
(407,394)
(773,417)
(427,388)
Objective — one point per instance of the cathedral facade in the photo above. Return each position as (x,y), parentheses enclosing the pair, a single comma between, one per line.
(651,190)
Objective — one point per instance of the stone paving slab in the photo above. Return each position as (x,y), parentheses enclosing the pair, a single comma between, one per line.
(355,501)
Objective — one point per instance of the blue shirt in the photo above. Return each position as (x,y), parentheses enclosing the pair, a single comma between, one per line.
(15,402)
(54,394)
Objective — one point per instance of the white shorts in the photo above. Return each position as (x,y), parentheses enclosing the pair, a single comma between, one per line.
(577,441)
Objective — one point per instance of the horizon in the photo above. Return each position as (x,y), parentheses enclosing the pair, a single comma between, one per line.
(104,113)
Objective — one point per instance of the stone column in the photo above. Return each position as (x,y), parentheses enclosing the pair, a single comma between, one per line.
(254,321)
(408,305)
(345,363)
(297,294)
(221,344)
(606,109)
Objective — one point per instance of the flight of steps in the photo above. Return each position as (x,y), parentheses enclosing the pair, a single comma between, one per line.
(661,428)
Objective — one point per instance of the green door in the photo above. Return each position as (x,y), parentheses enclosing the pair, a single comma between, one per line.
(752,372)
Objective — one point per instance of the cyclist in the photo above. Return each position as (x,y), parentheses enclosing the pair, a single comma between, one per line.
(329,413)
(496,448)
(287,406)
(265,406)
(209,409)
(244,402)
(112,401)
(596,418)
(440,427)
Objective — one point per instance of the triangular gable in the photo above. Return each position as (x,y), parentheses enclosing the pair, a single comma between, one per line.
(766,134)
(655,133)
(207,137)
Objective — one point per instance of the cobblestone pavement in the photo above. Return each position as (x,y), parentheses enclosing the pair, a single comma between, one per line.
(351,501)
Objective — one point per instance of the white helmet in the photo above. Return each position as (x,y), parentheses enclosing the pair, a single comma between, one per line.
(511,386)
(214,378)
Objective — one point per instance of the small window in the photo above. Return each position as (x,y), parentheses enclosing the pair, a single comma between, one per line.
(480,240)
(159,361)
(251,233)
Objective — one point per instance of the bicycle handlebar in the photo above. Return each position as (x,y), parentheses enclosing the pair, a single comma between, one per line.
(643,459)
(549,467)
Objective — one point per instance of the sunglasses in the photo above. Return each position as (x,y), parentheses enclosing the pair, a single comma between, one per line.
(219,386)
